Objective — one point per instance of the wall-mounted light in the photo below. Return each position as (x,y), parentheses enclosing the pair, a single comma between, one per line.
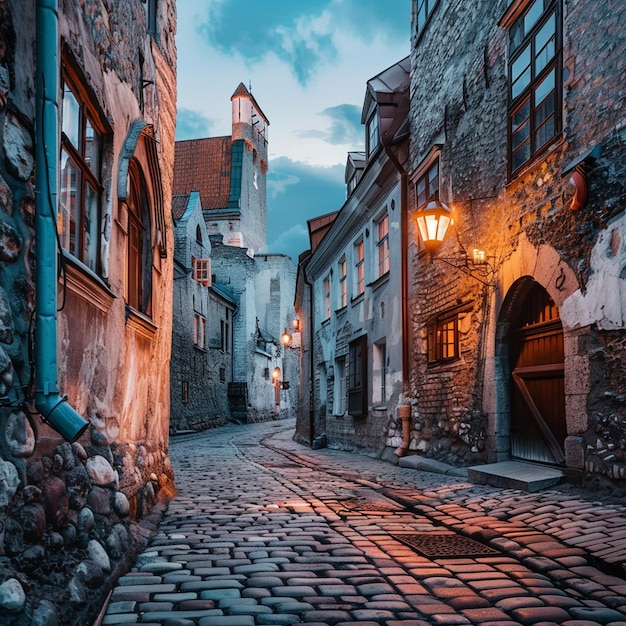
(433,221)
(285,338)
(276,374)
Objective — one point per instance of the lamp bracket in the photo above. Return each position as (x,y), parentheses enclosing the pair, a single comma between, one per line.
(463,264)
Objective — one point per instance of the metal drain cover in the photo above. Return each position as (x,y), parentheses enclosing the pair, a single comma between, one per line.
(365,504)
(445,546)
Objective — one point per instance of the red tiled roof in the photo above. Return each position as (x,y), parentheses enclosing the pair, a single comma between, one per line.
(179,205)
(203,165)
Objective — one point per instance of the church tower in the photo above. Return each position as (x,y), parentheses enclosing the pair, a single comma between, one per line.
(248,186)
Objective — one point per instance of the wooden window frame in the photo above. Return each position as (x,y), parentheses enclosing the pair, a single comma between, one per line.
(202,271)
(359,267)
(427,183)
(357,377)
(80,193)
(527,117)
(199,330)
(443,338)
(382,244)
(343,282)
(373,133)
(327,302)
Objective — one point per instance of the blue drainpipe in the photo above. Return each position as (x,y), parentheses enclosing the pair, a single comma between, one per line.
(53,407)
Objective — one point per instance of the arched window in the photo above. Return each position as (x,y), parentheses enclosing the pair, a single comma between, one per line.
(139,277)
(198,235)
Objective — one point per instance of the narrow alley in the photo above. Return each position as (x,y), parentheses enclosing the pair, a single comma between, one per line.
(266,531)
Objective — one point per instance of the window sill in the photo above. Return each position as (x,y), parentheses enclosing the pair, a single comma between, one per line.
(341,311)
(140,323)
(86,284)
(536,160)
(326,322)
(199,349)
(357,299)
(380,281)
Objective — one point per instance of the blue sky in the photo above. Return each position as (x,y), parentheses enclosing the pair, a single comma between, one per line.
(307,64)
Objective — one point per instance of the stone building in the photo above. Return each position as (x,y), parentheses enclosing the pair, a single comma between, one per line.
(349,294)
(87,117)
(202,337)
(518,128)
(229,176)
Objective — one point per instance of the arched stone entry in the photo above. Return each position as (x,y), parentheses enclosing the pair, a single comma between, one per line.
(536,364)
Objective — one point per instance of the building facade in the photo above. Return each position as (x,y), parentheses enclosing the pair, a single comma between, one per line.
(87,117)
(349,292)
(202,337)
(228,174)
(517,318)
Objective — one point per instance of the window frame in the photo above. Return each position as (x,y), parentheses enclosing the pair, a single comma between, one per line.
(340,399)
(426,184)
(327,300)
(342,269)
(443,338)
(379,367)
(201,271)
(75,153)
(199,330)
(524,111)
(422,16)
(357,377)
(359,267)
(382,245)
(373,133)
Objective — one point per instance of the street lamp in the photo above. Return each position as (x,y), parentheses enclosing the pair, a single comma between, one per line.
(285,338)
(433,221)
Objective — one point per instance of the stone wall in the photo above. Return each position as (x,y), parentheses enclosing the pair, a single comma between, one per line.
(69,513)
(527,226)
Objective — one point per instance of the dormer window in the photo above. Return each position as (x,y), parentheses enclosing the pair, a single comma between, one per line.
(373,133)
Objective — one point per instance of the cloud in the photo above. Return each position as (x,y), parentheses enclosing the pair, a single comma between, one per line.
(345,127)
(303,35)
(192,124)
(298,192)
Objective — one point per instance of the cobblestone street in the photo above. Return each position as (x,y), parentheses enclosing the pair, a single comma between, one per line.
(266,531)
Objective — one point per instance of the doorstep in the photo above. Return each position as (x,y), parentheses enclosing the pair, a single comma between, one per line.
(516,475)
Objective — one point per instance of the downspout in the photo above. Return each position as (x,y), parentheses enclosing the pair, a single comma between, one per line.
(53,407)
(311,359)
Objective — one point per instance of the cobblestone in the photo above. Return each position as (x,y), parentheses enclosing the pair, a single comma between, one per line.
(261,533)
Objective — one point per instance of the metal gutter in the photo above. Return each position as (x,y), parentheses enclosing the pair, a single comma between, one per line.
(53,407)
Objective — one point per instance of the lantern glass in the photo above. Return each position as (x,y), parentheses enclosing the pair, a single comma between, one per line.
(433,222)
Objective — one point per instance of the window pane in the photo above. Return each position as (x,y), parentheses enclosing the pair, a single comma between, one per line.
(71,118)
(520,73)
(69,204)
(90,249)
(532,15)
(544,88)
(92,150)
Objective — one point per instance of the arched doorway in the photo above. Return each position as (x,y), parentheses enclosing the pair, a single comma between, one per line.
(536,361)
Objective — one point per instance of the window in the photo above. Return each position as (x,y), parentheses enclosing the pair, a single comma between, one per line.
(222,374)
(199,324)
(151,16)
(534,81)
(357,377)
(327,298)
(339,402)
(427,185)
(185,391)
(423,10)
(359,267)
(80,180)
(139,271)
(225,335)
(382,245)
(343,286)
(202,271)
(443,339)
(379,391)
(373,133)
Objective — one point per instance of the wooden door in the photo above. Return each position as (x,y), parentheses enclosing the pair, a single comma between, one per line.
(538,427)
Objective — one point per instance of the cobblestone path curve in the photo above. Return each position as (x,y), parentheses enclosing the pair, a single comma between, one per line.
(264,531)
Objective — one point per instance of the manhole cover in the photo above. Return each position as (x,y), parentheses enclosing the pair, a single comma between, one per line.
(442,546)
(363,504)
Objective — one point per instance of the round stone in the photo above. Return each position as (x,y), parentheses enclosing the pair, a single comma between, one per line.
(12,596)
(100,471)
(99,556)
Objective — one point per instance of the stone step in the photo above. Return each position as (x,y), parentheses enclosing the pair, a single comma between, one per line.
(516,475)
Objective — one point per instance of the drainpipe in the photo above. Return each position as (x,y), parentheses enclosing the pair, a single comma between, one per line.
(311,358)
(53,407)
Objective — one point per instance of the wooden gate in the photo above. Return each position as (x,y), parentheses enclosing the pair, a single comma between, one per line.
(538,427)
